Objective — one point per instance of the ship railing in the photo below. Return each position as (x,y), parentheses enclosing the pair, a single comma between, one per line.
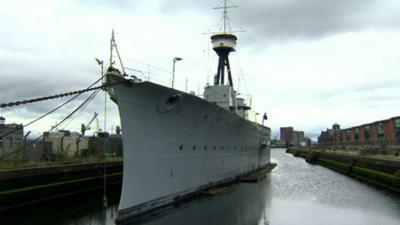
(150,73)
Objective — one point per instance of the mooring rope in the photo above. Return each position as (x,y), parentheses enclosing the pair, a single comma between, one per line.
(28,101)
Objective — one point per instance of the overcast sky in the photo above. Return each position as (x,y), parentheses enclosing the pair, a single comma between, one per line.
(307,63)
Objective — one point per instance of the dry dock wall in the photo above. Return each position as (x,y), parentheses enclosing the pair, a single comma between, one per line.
(20,187)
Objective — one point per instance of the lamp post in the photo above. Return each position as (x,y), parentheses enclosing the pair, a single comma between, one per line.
(176,59)
(101,64)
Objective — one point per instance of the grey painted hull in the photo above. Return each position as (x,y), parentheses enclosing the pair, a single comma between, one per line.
(176,143)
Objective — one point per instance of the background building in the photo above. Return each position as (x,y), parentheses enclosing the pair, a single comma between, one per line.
(298,138)
(383,132)
(292,137)
(11,139)
(66,143)
(286,134)
(35,149)
(112,144)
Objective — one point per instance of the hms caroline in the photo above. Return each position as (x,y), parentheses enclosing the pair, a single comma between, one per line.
(176,144)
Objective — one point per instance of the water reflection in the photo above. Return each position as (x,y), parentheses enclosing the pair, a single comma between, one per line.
(82,209)
(245,205)
(311,194)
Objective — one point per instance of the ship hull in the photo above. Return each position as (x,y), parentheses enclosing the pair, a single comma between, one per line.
(175,144)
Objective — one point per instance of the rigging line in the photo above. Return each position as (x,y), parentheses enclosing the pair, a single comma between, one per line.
(11,104)
(51,111)
(105,204)
(76,115)
(244,82)
(80,111)
(74,111)
(101,78)
(146,64)
(52,128)
(28,101)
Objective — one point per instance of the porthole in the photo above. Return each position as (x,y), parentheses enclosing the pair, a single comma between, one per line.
(214,147)
(194,147)
(205,147)
(180,148)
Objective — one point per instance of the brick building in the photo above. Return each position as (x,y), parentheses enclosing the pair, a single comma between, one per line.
(292,137)
(383,132)
(286,134)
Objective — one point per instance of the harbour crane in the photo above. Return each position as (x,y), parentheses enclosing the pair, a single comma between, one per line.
(98,129)
(84,128)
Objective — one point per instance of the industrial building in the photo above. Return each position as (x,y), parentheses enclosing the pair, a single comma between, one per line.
(104,143)
(11,138)
(69,143)
(292,137)
(66,142)
(383,132)
(56,144)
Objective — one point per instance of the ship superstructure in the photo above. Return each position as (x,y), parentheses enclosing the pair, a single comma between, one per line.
(176,144)
(222,92)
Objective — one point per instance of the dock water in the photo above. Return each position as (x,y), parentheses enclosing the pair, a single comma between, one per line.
(377,170)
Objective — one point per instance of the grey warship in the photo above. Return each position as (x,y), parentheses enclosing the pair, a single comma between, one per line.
(176,143)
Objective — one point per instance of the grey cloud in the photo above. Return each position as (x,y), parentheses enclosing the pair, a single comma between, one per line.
(32,81)
(286,19)
(307,18)
(313,134)
(361,88)
(32,111)
(14,88)
(37,109)
(116,4)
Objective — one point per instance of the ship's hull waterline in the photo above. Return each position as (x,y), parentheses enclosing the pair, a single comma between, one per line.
(175,144)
